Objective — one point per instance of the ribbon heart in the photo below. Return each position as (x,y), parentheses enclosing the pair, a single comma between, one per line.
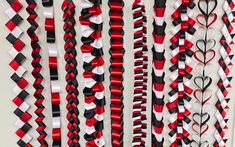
(205,45)
(203,82)
(201,119)
(205,20)
(204,57)
(207,6)
(199,129)
(202,96)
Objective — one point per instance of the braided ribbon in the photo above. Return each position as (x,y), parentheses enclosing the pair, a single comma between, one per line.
(204,55)
(178,103)
(68,8)
(18,76)
(225,63)
(140,71)
(37,67)
(158,73)
(54,84)
(116,70)
(92,49)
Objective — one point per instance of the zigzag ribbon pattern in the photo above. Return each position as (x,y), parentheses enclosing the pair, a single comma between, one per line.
(140,71)
(178,103)
(145,75)
(54,80)
(68,8)
(225,63)
(204,55)
(92,49)
(158,73)
(37,67)
(116,69)
(18,76)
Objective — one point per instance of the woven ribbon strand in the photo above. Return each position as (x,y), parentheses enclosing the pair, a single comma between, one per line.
(225,76)
(68,8)
(92,49)
(158,73)
(18,76)
(54,80)
(37,67)
(116,70)
(178,103)
(140,71)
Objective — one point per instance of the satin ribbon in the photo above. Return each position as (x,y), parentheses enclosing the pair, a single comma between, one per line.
(21,111)
(158,74)
(36,48)
(204,55)
(140,71)
(54,79)
(93,64)
(71,87)
(225,63)
(116,70)
(179,102)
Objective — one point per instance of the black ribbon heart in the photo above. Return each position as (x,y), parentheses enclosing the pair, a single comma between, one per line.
(209,4)
(205,82)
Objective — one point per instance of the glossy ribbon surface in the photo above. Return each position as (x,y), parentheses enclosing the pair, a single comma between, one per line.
(116,69)
(21,111)
(158,73)
(93,63)
(71,87)
(37,67)
(53,67)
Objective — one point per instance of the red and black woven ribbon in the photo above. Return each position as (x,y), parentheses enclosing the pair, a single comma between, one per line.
(92,49)
(225,77)
(178,102)
(158,73)
(54,80)
(37,67)
(18,76)
(140,72)
(116,70)
(68,8)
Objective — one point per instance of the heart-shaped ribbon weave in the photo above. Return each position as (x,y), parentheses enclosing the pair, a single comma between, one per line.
(225,76)
(93,64)
(178,103)
(204,55)
(18,76)
(36,48)
(71,87)
(140,72)
(116,69)
(158,73)
(53,67)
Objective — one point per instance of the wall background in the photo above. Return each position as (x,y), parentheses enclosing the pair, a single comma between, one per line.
(7,128)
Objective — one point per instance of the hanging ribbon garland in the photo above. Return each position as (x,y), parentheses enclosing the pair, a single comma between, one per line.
(178,103)
(18,76)
(68,8)
(145,76)
(92,49)
(140,71)
(116,70)
(158,73)
(37,67)
(204,55)
(54,83)
(225,76)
